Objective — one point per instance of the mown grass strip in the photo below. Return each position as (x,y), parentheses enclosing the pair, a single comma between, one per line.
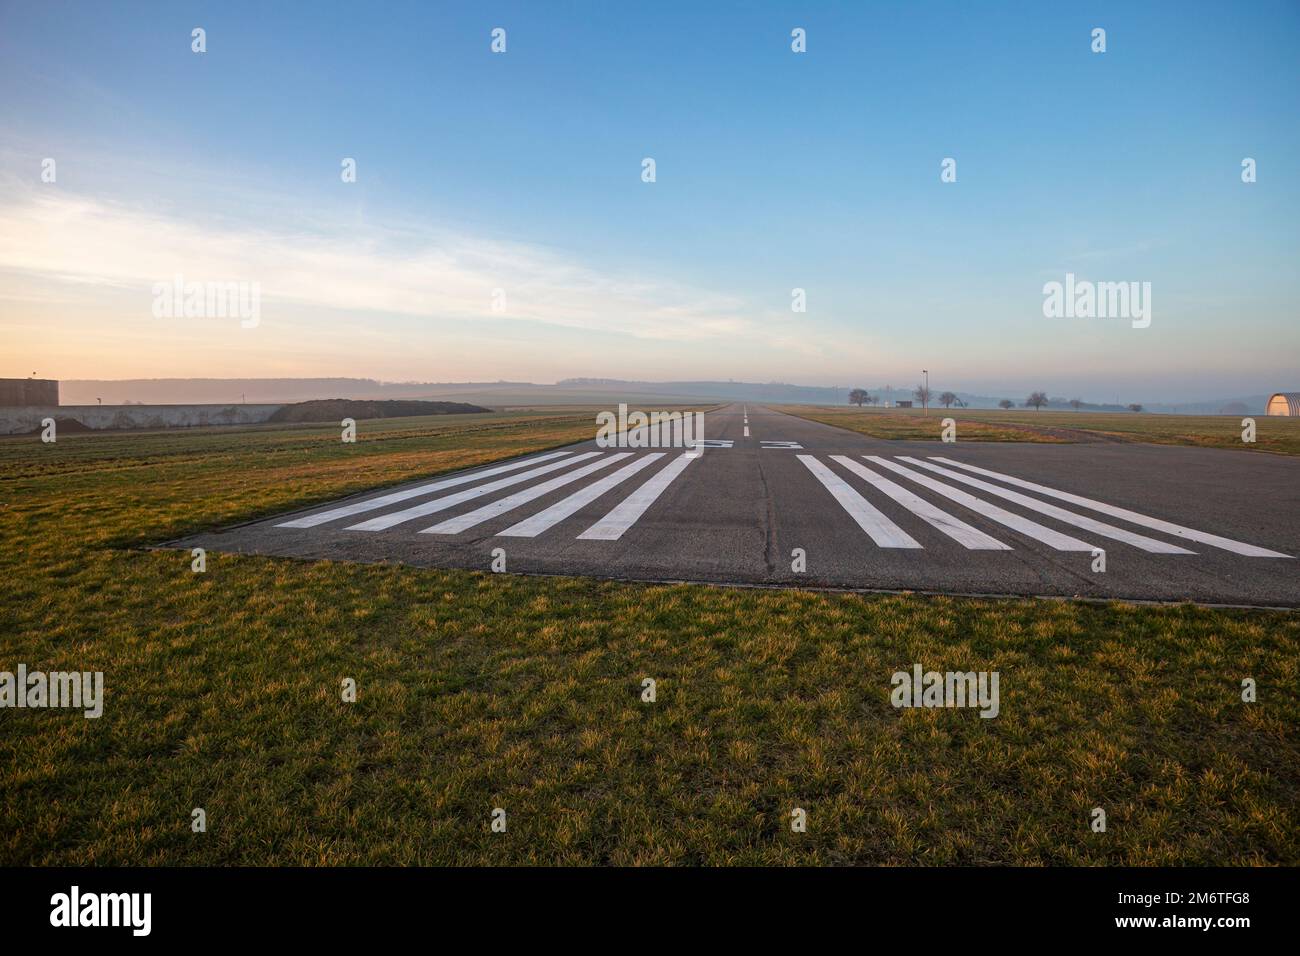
(478,691)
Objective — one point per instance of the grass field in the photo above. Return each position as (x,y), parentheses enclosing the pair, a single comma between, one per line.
(478,691)
(1277,435)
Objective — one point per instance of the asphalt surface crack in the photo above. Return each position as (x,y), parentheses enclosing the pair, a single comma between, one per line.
(769,523)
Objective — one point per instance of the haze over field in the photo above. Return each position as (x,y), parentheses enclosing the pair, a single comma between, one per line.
(182,391)
(521,174)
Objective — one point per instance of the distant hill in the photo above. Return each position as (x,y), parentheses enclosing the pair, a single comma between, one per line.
(270,391)
(733,391)
(336,409)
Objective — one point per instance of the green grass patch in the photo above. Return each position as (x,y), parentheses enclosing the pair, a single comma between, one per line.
(479,691)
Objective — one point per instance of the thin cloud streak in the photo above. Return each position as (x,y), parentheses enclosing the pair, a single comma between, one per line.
(68,239)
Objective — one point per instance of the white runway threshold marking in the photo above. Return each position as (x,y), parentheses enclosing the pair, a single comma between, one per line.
(630,510)
(964,534)
(479,515)
(882,531)
(450,501)
(371,504)
(1060,514)
(532,527)
(1155,524)
(1031,529)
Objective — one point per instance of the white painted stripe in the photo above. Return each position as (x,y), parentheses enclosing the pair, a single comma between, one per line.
(964,534)
(479,515)
(532,527)
(1060,514)
(371,504)
(630,510)
(1155,524)
(884,532)
(746,431)
(1031,529)
(450,501)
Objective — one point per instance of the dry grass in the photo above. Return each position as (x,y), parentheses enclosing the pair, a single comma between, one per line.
(1277,435)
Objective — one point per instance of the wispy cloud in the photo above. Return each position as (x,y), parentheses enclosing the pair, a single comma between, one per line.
(75,241)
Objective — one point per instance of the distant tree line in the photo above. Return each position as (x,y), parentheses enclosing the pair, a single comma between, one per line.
(923,396)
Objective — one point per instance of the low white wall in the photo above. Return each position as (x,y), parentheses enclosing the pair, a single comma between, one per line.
(19,419)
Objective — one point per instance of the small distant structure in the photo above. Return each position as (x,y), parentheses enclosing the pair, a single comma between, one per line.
(1283,403)
(29,391)
(902,404)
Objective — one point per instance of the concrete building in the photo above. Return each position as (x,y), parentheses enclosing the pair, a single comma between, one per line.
(1283,403)
(29,391)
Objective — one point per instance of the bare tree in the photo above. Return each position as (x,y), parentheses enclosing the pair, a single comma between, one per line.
(1076,403)
(873,399)
(1135,407)
(858,396)
(922,395)
(946,399)
(1006,403)
(1036,400)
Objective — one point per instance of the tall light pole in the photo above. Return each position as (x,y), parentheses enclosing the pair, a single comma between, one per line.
(925,399)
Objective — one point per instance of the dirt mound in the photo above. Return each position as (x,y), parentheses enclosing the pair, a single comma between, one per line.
(336,409)
(64,426)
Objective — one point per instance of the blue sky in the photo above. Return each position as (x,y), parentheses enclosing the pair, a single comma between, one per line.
(775,170)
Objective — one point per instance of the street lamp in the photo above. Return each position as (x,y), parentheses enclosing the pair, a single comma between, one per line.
(925,398)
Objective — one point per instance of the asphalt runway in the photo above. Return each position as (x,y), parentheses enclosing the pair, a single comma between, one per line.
(1174,523)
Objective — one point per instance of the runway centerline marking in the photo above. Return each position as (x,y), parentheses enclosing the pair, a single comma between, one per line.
(501,506)
(371,504)
(879,528)
(1213,540)
(1031,529)
(450,501)
(531,527)
(629,511)
(966,535)
(1060,514)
